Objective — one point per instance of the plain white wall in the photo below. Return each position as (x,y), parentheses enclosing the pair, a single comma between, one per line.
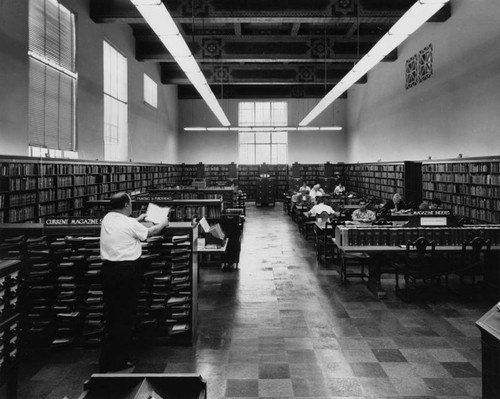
(456,111)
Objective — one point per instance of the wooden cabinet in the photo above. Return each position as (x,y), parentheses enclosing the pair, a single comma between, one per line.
(9,321)
(265,191)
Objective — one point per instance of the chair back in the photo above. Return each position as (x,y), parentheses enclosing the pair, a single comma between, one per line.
(464,220)
(383,213)
(381,222)
(475,248)
(420,248)
(324,216)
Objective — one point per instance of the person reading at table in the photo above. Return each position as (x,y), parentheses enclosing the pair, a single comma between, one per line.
(435,204)
(321,207)
(303,198)
(363,214)
(339,189)
(396,204)
(316,191)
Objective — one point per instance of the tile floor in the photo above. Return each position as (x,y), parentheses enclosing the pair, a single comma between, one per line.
(283,326)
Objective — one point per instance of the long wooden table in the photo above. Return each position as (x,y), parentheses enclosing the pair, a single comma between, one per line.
(374,284)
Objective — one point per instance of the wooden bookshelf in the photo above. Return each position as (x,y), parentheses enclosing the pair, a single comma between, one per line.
(280,173)
(379,180)
(247,176)
(188,174)
(311,173)
(227,194)
(31,189)
(470,187)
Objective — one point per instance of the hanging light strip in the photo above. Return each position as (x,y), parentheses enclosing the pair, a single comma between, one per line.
(261,128)
(413,19)
(159,19)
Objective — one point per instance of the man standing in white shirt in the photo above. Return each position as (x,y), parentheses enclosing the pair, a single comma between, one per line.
(121,249)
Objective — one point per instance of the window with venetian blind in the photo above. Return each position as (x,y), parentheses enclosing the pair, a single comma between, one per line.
(53,76)
(115,104)
(263,146)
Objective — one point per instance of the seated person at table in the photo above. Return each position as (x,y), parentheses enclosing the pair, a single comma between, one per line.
(395,204)
(305,187)
(363,214)
(316,191)
(424,206)
(321,207)
(303,197)
(435,204)
(339,189)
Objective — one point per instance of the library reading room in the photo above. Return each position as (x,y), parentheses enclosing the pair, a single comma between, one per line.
(249,199)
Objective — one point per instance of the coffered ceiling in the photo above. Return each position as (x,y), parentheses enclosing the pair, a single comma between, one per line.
(264,48)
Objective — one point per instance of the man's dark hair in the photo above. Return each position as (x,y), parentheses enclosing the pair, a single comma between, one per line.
(436,201)
(119,200)
(319,199)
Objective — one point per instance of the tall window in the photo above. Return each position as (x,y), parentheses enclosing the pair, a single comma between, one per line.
(150,91)
(115,104)
(53,79)
(263,146)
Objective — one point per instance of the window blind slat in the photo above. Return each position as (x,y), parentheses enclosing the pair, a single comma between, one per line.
(52,108)
(37,103)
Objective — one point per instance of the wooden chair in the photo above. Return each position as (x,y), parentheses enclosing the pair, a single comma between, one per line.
(475,257)
(419,267)
(324,241)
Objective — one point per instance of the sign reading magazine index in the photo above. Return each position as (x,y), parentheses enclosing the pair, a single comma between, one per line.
(156,214)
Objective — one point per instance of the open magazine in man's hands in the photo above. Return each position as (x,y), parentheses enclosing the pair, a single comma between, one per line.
(156,214)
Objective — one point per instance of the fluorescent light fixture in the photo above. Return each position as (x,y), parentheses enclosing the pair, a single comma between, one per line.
(146,2)
(161,22)
(307,128)
(257,129)
(223,129)
(330,128)
(386,44)
(195,129)
(414,18)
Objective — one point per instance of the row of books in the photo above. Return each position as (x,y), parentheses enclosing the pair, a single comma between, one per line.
(463,167)
(391,236)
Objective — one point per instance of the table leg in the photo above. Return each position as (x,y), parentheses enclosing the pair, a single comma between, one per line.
(374,284)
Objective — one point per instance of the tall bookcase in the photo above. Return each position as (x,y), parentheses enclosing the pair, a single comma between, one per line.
(380,180)
(247,176)
(311,173)
(188,174)
(31,189)
(469,186)
(280,173)
(220,175)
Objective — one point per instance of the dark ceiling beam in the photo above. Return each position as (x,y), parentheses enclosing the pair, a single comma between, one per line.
(236,74)
(185,92)
(286,49)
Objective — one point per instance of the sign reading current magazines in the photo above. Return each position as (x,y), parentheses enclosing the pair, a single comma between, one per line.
(72,221)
